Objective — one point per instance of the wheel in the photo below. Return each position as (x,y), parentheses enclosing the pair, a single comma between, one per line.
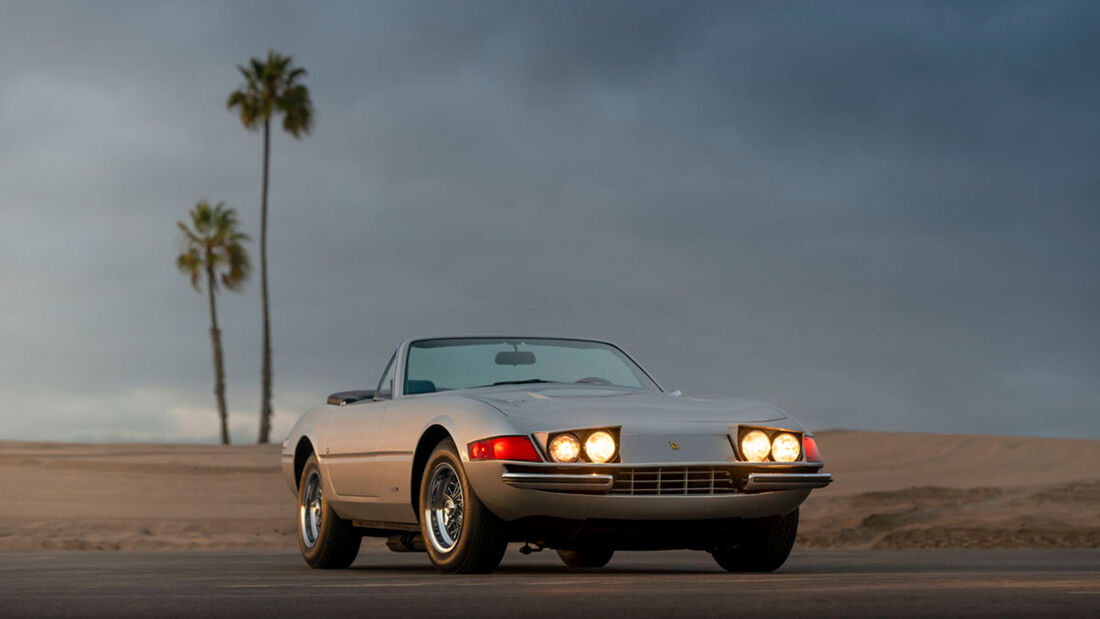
(586,557)
(325,539)
(461,535)
(768,542)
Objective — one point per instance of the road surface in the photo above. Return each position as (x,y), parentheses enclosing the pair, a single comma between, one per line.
(813,583)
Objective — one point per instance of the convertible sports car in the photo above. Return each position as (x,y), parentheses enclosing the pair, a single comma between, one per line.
(470,443)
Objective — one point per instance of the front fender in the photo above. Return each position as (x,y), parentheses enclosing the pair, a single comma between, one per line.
(302,429)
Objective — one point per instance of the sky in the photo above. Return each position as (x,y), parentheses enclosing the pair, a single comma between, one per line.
(876,217)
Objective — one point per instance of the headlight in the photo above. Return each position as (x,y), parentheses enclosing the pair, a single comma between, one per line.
(755,446)
(600,446)
(785,448)
(565,448)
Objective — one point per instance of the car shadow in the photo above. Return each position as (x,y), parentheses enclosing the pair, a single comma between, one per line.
(549,570)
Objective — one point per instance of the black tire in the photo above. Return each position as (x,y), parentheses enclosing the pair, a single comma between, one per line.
(480,541)
(337,542)
(768,543)
(586,557)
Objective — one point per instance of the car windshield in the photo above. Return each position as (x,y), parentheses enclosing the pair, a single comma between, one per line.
(462,363)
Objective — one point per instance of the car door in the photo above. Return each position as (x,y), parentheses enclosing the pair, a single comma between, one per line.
(396,449)
(352,453)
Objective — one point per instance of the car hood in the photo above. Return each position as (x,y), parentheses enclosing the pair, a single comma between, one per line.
(580,406)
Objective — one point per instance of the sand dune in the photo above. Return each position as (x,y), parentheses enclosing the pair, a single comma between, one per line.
(891,491)
(128,496)
(926,490)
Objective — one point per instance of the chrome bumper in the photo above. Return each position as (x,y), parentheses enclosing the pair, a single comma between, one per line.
(514,490)
(786,481)
(559,481)
(602,483)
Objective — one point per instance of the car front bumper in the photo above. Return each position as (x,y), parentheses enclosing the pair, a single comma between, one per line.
(693,491)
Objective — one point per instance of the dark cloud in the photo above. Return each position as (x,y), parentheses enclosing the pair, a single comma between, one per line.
(876,216)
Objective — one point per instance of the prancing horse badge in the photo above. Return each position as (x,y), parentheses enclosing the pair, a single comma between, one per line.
(674,445)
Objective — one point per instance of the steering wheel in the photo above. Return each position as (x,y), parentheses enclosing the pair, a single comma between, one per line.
(593,380)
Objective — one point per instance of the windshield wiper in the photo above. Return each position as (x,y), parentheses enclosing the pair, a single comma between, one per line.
(529,381)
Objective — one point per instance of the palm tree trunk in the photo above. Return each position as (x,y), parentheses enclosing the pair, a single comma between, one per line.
(219,365)
(265,403)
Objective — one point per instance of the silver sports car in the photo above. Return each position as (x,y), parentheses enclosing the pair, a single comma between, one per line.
(469,443)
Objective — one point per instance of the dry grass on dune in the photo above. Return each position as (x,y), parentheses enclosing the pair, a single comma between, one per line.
(891,491)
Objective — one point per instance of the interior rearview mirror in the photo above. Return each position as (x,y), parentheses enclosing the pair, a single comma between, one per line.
(516,357)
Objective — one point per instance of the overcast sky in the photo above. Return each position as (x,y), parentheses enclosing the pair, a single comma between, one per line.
(875,217)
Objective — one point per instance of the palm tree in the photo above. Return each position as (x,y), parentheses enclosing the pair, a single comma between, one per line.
(212,245)
(270,87)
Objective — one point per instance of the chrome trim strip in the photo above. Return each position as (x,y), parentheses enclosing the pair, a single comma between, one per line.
(558,481)
(366,454)
(786,481)
(631,465)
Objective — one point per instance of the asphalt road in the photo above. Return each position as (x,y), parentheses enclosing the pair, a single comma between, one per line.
(817,583)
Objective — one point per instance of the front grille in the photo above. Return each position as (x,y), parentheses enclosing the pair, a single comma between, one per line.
(674,480)
(696,479)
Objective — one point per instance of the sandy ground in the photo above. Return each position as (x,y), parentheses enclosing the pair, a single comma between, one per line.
(891,491)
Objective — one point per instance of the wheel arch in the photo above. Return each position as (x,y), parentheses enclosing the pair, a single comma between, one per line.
(302,451)
(431,437)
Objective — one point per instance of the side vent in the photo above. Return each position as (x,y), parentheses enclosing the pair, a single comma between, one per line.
(343,398)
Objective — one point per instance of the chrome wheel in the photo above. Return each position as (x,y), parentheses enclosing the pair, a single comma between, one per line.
(311,510)
(444,508)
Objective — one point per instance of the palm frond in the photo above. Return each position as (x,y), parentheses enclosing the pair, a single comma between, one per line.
(235,99)
(189,263)
(239,267)
(272,86)
(297,111)
(190,236)
(213,242)
(294,74)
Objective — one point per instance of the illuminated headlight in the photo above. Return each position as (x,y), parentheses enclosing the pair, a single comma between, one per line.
(786,448)
(565,448)
(755,446)
(600,447)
